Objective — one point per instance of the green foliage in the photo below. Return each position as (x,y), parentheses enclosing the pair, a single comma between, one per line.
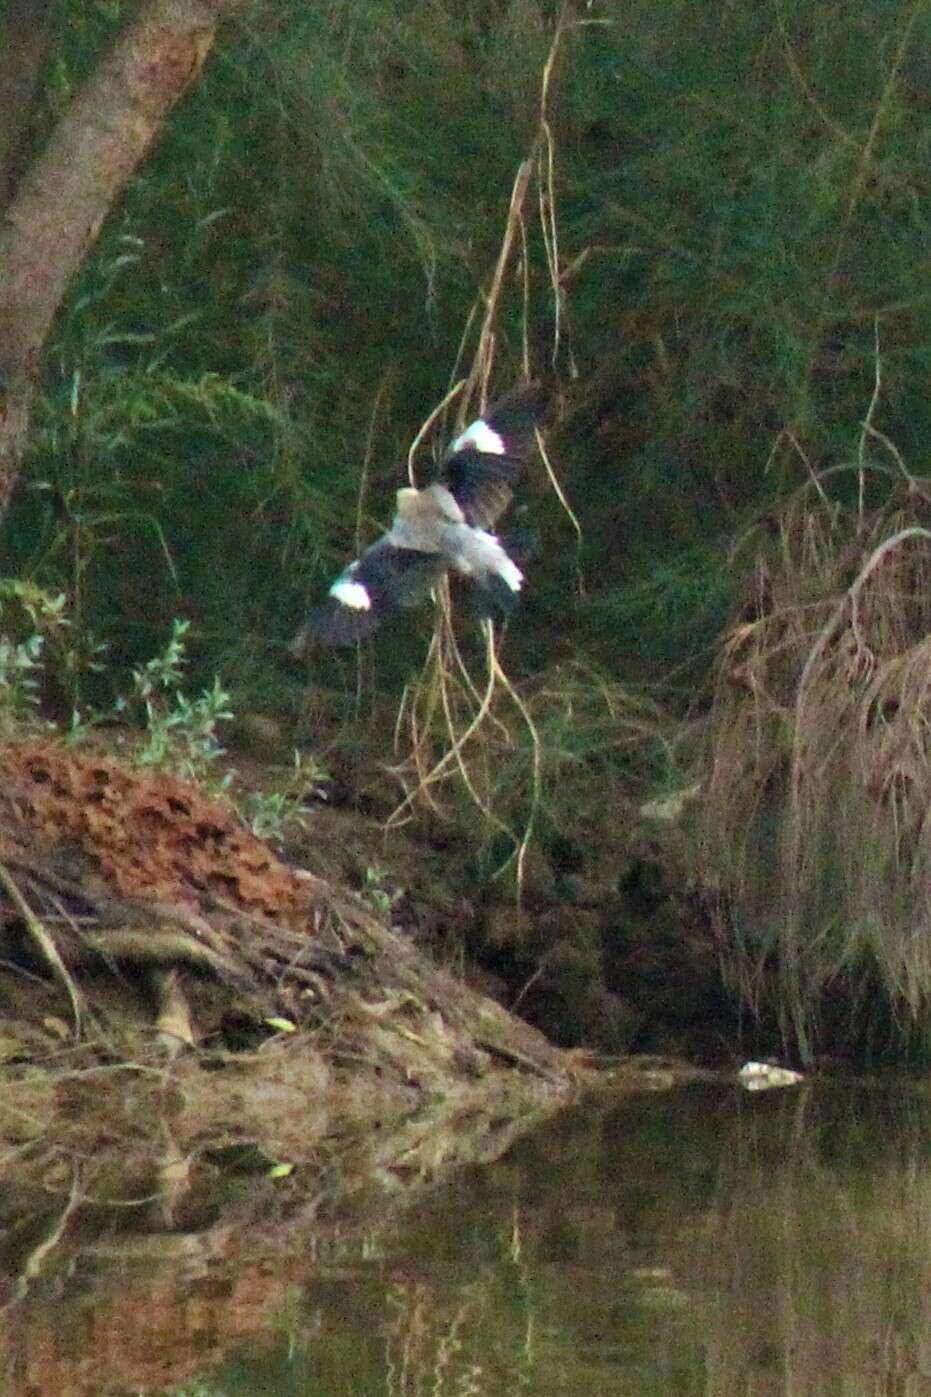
(675,606)
(741,194)
(20,665)
(180,733)
(275,813)
(199,1388)
(28,616)
(380,890)
(183,734)
(291,270)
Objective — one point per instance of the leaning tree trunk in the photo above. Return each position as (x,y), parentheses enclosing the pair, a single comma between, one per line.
(25,33)
(65,194)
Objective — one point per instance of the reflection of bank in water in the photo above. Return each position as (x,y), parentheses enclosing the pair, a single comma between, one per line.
(697,1241)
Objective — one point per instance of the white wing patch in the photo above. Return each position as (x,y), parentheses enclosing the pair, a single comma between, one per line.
(351,593)
(482,437)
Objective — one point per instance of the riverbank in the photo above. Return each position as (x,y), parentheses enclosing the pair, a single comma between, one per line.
(158,955)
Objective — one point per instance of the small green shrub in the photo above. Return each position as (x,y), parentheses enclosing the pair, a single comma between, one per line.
(28,616)
(273,814)
(181,733)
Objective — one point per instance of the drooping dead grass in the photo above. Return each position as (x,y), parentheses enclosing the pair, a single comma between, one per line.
(817,831)
(563,751)
(449,705)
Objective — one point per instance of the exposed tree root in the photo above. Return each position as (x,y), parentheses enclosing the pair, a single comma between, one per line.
(233,960)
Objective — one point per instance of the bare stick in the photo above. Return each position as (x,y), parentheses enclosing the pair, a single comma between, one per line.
(46,945)
(367,456)
(428,426)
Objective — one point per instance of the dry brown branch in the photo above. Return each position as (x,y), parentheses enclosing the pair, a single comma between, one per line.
(536,757)
(484,352)
(428,425)
(173,1013)
(54,1230)
(44,943)
(146,946)
(546,184)
(367,457)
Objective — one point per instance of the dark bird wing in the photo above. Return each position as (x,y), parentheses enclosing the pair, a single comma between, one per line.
(485,460)
(383,578)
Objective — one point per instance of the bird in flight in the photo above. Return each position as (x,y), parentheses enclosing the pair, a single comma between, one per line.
(446,527)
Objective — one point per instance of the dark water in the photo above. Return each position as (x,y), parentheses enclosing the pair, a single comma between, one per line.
(700,1242)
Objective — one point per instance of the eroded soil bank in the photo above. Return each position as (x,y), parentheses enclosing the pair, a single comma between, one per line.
(607,945)
(160,962)
(174,986)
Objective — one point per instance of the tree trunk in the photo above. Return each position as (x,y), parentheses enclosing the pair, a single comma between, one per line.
(68,190)
(25,29)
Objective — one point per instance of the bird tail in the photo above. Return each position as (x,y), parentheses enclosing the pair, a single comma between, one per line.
(493,594)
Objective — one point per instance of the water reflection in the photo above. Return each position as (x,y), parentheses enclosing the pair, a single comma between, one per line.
(702,1242)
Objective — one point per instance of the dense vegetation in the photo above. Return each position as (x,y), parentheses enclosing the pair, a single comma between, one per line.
(730,279)
(741,192)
